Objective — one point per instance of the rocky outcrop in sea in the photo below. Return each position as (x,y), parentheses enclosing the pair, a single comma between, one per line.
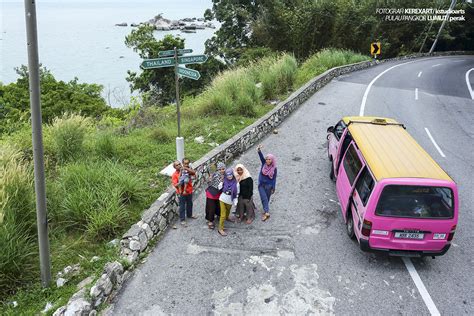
(186,25)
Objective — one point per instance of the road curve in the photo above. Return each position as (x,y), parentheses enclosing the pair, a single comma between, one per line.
(301,261)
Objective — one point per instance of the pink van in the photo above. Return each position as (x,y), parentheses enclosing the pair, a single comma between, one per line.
(394,197)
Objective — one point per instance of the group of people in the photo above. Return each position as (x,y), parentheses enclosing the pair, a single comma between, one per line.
(227,187)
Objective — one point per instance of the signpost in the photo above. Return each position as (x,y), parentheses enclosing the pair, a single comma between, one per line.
(171,58)
(194,59)
(189,73)
(158,63)
(375,49)
(164,53)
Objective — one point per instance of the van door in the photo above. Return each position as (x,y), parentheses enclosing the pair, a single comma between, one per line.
(343,144)
(360,197)
(347,174)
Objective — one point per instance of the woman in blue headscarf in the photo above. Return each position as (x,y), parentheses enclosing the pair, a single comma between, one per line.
(228,197)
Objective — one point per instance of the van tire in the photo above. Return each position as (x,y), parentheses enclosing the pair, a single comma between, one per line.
(331,173)
(350,225)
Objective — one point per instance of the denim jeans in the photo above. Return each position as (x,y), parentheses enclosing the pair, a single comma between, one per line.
(265,193)
(185,204)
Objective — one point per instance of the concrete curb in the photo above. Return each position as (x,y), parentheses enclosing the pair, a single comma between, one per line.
(160,215)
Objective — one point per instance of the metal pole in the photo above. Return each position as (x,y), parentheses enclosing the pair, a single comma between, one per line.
(177,89)
(453,3)
(37,135)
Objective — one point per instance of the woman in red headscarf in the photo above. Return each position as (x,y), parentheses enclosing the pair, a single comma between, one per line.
(266,180)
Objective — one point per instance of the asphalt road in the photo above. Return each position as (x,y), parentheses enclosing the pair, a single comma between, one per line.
(301,260)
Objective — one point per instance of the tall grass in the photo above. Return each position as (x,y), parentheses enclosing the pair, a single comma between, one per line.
(231,92)
(235,91)
(324,60)
(17,221)
(279,77)
(95,196)
(105,145)
(68,134)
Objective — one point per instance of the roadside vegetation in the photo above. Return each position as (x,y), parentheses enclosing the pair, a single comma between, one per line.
(102,163)
(102,171)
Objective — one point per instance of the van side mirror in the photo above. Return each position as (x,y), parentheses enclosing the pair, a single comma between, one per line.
(330,129)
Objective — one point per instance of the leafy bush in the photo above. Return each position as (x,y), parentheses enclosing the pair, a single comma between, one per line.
(17,221)
(68,134)
(95,196)
(57,97)
(324,60)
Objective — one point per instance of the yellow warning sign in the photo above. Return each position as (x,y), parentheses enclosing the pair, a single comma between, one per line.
(375,48)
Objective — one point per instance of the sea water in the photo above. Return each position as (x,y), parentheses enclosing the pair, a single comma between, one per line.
(79,38)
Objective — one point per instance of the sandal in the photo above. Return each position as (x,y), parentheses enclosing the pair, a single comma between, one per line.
(222,232)
(183,223)
(210,225)
(249,221)
(193,216)
(265,216)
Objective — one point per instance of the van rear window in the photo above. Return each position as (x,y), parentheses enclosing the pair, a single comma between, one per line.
(416,202)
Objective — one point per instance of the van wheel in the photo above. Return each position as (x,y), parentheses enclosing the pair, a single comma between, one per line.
(350,225)
(331,173)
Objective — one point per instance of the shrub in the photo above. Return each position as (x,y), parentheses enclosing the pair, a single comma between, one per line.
(324,60)
(105,145)
(279,77)
(95,196)
(17,221)
(228,89)
(22,140)
(68,134)
(161,135)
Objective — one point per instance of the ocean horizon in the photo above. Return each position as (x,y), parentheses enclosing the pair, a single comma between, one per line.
(80,39)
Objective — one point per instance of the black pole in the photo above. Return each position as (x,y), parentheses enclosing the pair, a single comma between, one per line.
(177,89)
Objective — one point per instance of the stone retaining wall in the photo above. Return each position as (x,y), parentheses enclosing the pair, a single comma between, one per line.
(162,212)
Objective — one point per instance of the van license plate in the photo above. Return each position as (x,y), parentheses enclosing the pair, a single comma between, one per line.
(409,235)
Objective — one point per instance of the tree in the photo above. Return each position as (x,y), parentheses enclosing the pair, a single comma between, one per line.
(305,26)
(158,85)
(57,97)
(208,15)
(234,34)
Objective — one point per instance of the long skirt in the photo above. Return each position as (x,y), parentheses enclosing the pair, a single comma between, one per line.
(212,209)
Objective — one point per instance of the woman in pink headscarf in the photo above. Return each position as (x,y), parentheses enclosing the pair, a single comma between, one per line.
(266,180)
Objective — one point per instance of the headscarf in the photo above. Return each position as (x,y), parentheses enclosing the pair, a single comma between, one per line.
(230,185)
(217,176)
(269,170)
(245,174)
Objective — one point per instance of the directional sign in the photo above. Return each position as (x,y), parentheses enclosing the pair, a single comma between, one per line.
(375,48)
(158,63)
(189,73)
(171,52)
(194,59)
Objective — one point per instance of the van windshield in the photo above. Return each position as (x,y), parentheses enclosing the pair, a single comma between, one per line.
(416,202)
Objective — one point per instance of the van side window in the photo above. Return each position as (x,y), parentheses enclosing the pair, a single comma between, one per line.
(352,164)
(339,129)
(364,185)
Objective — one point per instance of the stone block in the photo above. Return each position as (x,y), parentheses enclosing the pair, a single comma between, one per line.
(133,231)
(135,245)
